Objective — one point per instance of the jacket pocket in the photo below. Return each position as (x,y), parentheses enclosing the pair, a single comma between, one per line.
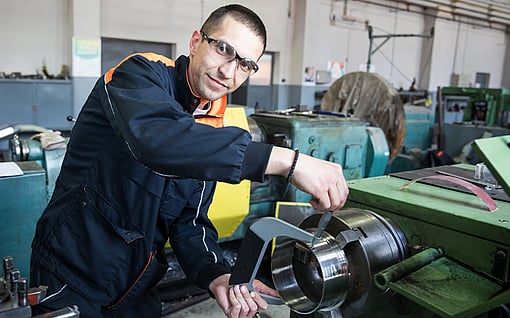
(122,226)
(99,247)
(149,276)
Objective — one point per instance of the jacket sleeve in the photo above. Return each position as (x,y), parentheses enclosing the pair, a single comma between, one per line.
(139,102)
(194,241)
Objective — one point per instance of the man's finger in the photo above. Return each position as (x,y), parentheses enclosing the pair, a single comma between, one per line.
(264,289)
(235,305)
(260,302)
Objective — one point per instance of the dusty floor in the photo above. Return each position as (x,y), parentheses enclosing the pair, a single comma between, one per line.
(209,309)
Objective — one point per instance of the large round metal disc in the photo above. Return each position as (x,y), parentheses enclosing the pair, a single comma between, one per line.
(370,98)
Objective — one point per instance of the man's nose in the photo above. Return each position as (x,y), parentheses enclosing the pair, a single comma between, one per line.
(228,69)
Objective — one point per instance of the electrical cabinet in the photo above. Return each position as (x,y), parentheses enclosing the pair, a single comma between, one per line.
(45,103)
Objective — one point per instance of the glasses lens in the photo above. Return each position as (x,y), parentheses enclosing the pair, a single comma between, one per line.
(224,49)
(247,65)
(228,53)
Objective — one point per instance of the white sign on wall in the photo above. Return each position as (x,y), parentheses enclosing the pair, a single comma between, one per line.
(86,57)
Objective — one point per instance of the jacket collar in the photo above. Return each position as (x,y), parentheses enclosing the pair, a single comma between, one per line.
(183,92)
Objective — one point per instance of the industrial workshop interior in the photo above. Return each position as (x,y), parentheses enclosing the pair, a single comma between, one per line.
(410,97)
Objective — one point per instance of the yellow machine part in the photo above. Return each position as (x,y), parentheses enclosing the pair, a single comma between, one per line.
(231,202)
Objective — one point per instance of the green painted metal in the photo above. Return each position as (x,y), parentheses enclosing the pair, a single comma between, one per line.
(473,276)
(378,152)
(450,289)
(419,127)
(23,200)
(341,140)
(52,162)
(495,152)
(417,140)
(496,99)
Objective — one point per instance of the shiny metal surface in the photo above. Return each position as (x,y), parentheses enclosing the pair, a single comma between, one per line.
(310,278)
(336,274)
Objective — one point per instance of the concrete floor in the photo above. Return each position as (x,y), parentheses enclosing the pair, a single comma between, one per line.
(209,309)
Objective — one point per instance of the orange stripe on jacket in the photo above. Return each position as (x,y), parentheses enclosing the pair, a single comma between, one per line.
(215,115)
(150,56)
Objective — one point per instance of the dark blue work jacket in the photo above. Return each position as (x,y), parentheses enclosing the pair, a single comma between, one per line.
(138,170)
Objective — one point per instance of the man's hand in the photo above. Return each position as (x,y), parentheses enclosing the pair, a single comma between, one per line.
(238,301)
(322,179)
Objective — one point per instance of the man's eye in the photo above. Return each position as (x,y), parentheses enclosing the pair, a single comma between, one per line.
(223,48)
(245,65)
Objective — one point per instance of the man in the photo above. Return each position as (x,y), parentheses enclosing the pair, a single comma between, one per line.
(141,167)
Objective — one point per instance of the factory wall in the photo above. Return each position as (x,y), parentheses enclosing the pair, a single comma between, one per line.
(301,33)
(33,33)
(506,71)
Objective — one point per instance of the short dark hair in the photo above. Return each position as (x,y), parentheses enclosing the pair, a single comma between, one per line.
(239,13)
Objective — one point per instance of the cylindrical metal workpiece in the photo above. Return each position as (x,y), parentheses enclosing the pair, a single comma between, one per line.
(7,265)
(22,292)
(309,278)
(410,265)
(14,276)
(337,273)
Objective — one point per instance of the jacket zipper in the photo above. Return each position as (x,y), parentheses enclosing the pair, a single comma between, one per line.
(124,295)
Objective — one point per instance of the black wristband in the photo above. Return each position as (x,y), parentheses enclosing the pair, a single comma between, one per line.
(291,171)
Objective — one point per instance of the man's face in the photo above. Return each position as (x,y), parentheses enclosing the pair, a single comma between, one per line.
(210,76)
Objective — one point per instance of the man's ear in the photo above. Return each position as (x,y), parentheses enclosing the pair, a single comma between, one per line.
(196,38)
